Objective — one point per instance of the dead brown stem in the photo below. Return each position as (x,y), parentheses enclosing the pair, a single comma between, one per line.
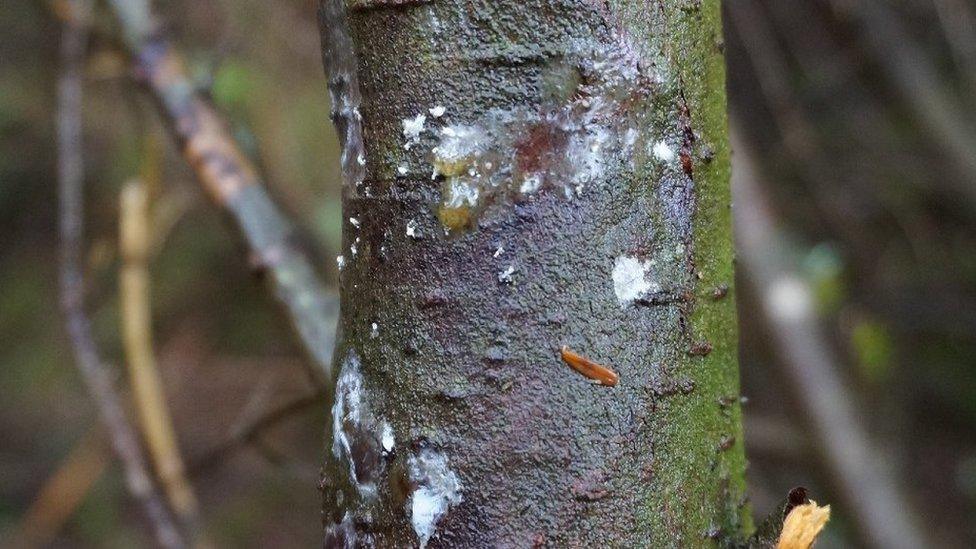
(63,491)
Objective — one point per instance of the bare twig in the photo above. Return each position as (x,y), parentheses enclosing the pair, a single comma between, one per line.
(63,492)
(959,28)
(93,371)
(799,135)
(920,86)
(248,432)
(147,388)
(771,75)
(232,182)
(856,465)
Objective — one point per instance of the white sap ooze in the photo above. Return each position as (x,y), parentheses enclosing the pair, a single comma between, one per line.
(348,409)
(359,436)
(505,277)
(412,230)
(438,488)
(663,152)
(387,439)
(412,128)
(630,281)
(531,184)
(572,144)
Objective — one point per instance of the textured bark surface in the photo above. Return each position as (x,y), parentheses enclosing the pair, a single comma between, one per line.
(522,176)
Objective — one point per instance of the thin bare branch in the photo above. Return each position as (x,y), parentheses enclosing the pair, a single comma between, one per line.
(928,95)
(771,74)
(958,24)
(249,432)
(147,386)
(232,182)
(93,371)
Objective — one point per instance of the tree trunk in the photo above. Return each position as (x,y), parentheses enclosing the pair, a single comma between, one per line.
(523,176)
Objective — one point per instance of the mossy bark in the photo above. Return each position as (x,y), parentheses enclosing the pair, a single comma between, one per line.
(587,143)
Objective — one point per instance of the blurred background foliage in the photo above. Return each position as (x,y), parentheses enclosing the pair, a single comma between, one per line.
(224,351)
(861,119)
(857,121)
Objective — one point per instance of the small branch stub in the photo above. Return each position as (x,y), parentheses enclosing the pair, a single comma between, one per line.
(596,372)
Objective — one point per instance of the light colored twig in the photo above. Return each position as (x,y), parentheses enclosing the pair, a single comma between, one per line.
(93,371)
(144,378)
(856,465)
(232,182)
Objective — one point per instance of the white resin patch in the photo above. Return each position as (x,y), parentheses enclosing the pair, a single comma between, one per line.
(461,192)
(663,152)
(437,111)
(412,230)
(505,277)
(630,137)
(438,488)
(348,409)
(570,145)
(387,440)
(459,146)
(630,281)
(531,184)
(359,436)
(412,128)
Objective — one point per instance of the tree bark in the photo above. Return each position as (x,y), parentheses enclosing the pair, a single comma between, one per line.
(523,176)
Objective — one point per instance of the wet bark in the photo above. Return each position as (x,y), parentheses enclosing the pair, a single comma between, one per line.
(520,177)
